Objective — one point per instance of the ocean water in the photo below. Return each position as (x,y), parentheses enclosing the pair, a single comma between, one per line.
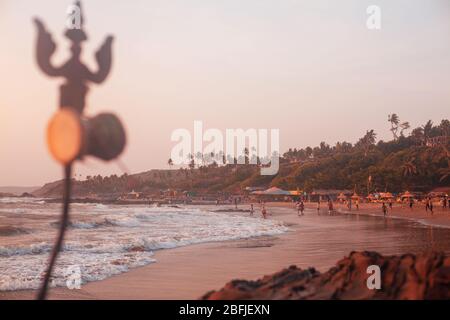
(105,240)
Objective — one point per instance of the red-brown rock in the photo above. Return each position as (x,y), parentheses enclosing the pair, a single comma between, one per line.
(402,277)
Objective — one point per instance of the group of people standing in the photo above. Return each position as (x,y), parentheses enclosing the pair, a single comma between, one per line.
(350,203)
(263,210)
(329,205)
(385,207)
(429,206)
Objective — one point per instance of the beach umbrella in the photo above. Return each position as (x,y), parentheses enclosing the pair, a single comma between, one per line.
(355,196)
(407,194)
(258,192)
(386,195)
(276,192)
(342,196)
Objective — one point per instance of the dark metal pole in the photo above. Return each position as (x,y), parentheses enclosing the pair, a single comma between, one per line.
(62,229)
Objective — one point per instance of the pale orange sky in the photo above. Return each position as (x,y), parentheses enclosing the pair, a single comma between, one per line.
(307,67)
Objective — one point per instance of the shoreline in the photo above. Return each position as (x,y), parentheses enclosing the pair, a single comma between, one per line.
(439,219)
(164,278)
(186,272)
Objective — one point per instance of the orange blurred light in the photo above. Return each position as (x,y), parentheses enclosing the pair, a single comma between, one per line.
(64,136)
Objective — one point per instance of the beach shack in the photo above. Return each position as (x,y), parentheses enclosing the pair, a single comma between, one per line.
(296,194)
(371,198)
(325,194)
(407,196)
(355,197)
(342,197)
(437,196)
(272,194)
(386,196)
(249,192)
(131,195)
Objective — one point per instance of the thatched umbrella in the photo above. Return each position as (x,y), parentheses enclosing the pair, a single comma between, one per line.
(386,195)
(407,195)
(355,196)
(342,197)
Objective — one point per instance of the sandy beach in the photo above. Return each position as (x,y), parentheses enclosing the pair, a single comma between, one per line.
(313,240)
(439,218)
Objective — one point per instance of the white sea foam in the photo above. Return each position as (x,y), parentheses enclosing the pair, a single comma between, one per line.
(21,200)
(106,240)
(83,225)
(13,210)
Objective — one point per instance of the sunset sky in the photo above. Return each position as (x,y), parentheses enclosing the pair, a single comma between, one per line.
(310,68)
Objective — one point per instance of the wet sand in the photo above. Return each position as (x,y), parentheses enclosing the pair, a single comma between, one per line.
(439,218)
(313,240)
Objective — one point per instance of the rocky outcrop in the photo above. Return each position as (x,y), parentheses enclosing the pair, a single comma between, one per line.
(408,276)
(52,189)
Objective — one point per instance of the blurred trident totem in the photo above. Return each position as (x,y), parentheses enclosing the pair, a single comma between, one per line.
(77,75)
(71,135)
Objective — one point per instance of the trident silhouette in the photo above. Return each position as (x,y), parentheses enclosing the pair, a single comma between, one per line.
(70,135)
(73,92)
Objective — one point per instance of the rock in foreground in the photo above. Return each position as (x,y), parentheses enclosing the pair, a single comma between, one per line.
(402,277)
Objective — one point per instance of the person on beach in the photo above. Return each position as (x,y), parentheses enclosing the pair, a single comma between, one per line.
(390,204)
(264,212)
(411,203)
(300,207)
(444,203)
(427,205)
(430,205)
(357,204)
(384,209)
(318,206)
(251,209)
(330,207)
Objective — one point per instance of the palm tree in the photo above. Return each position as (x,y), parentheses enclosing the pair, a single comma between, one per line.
(199,157)
(246,155)
(427,129)
(309,151)
(418,136)
(445,173)
(394,120)
(444,127)
(170,162)
(404,126)
(370,139)
(409,168)
(367,141)
(192,163)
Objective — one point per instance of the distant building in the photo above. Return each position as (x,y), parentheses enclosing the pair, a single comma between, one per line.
(131,196)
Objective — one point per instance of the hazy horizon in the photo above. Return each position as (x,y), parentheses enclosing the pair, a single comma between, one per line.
(309,68)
